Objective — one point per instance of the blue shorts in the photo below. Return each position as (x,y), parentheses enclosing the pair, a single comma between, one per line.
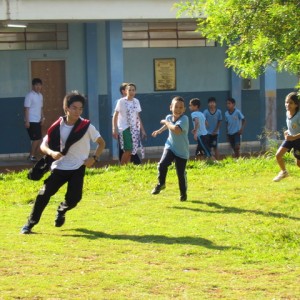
(234,139)
(292,145)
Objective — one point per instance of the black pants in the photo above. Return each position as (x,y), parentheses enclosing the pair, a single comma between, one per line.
(52,184)
(180,163)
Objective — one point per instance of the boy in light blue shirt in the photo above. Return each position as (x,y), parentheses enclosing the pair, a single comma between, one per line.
(235,122)
(213,116)
(199,131)
(176,147)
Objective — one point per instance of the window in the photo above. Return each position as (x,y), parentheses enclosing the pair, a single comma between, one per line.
(163,34)
(34,37)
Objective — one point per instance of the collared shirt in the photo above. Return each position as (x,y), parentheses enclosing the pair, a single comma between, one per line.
(179,143)
(233,121)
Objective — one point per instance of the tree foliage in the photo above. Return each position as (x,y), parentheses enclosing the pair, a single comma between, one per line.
(257,33)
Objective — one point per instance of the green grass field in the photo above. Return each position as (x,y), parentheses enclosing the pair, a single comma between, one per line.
(237,236)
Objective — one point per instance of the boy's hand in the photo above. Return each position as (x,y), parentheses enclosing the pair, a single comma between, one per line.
(155,133)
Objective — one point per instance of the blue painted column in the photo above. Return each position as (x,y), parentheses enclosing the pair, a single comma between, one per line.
(236,89)
(115,71)
(268,95)
(92,75)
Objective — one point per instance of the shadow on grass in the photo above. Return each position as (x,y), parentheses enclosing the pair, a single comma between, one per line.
(151,239)
(233,210)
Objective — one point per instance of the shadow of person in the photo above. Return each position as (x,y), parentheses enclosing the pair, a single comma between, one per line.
(151,239)
(221,209)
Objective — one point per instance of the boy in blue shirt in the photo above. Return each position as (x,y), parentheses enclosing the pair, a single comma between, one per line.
(213,116)
(235,123)
(199,131)
(176,147)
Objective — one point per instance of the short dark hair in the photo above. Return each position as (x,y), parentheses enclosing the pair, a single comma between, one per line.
(231,100)
(36,81)
(123,87)
(211,99)
(195,102)
(130,84)
(178,98)
(73,96)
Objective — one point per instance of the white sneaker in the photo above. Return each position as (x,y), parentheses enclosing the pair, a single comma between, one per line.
(281,175)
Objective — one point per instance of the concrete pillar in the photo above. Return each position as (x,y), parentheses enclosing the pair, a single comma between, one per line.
(92,75)
(115,70)
(236,89)
(268,98)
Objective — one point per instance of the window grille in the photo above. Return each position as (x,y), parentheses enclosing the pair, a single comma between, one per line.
(34,37)
(163,34)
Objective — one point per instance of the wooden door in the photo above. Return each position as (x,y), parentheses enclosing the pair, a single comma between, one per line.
(52,73)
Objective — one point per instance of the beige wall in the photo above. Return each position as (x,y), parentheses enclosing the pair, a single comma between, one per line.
(86,9)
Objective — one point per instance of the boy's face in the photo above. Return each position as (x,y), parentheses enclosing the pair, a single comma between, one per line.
(230,105)
(193,107)
(177,108)
(37,87)
(75,110)
(130,91)
(212,105)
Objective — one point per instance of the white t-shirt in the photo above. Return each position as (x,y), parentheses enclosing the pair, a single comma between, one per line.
(78,152)
(122,107)
(34,101)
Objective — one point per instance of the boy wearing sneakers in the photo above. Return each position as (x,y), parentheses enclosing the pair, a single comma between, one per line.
(75,134)
(176,147)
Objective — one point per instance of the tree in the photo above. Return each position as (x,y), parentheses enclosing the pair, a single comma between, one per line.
(257,33)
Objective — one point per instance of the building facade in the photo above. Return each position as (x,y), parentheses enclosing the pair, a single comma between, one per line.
(94,46)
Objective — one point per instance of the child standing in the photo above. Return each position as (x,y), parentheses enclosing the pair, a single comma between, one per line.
(127,124)
(235,122)
(291,135)
(213,116)
(176,147)
(199,131)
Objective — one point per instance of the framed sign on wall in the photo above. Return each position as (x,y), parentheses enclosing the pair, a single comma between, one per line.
(164,74)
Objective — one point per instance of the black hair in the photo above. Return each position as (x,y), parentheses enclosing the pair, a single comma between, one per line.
(195,102)
(130,84)
(211,99)
(231,100)
(73,96)
(36,81)
(123,87)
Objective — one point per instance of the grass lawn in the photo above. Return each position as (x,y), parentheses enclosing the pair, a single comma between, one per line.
(237,236)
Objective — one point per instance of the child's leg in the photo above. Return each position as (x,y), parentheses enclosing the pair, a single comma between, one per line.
(126,156)
(237,150)
(163,165)
(279,157)
(127,147)
(180,165)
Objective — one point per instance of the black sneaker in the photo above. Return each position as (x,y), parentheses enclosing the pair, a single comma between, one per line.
(32,158)
(183,197)
(26,229)
(158,188)
(60,219)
